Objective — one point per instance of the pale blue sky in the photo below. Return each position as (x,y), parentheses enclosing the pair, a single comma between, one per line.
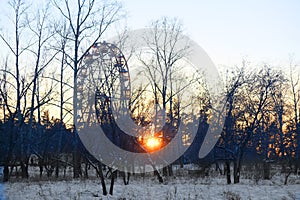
(230,30)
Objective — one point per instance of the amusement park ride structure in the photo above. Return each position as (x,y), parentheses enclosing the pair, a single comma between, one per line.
(104,73)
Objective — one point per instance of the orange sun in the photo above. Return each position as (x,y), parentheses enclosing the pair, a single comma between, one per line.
(153,143)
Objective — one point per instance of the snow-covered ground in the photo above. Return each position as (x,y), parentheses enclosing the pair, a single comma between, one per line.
(148,188)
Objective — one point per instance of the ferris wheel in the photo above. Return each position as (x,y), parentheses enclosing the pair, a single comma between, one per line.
(103,94)
(104,73)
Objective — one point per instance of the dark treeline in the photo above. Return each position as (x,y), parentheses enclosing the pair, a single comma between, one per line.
(43,144)
(261,126)
(264,134)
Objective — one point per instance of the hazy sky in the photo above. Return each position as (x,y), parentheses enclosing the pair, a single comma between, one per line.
(230,30)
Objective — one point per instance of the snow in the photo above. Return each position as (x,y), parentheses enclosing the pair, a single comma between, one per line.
(1,192)
(184,187)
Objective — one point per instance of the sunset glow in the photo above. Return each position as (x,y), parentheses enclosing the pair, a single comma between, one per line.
(153,143)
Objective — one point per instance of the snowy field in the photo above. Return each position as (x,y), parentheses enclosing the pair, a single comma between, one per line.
(149,188)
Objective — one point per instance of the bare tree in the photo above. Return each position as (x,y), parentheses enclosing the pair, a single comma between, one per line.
(88,21)
(17,48)
(163,42)
(42,35)
(235,81)
(258,92)
(162,64)
(23,85)
(295,92)
(291,137)
(5,86)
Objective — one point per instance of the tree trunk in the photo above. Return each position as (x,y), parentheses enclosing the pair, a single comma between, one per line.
(266,167)
(76,164)
(5,173)
(57,169)
(286,177)
(227,166)
(100,173)
(24,170)
(126,178)
(76,157)
(112,182)
(156,173)
(165,171)
(86,174)
(40,163)
(236,172)
(168,171)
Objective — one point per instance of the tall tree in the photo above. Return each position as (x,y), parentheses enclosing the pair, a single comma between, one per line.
(26,85)
(88,21)
(234,82)
(295,93)
(42,34)
(165,55)
(258,92)
(161,67)
(17,48)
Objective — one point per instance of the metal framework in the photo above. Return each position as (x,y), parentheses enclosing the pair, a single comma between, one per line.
(104,75)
